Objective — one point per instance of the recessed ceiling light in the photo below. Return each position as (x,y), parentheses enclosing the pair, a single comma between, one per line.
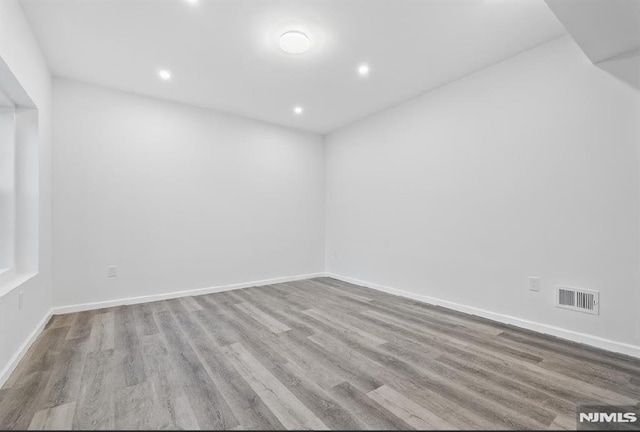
(294,42)
(363,69)
(164,75)
(298,110)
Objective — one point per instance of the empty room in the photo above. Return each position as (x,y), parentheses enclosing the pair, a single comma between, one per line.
(320,214)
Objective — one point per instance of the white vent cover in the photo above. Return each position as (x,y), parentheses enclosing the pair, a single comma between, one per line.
(578,299)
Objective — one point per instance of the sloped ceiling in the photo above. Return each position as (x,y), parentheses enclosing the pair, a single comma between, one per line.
(608,31)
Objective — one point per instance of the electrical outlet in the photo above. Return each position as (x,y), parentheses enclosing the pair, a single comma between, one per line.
(534,283)
(112,271)
(20,299)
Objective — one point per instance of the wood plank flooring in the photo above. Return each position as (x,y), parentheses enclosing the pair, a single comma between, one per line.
(315,354)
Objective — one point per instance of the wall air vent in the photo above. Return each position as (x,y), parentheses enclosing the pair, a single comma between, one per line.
(578,299)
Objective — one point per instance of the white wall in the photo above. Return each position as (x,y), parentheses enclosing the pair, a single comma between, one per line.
(177,197)
(527,168)
(19,50)
(7,186)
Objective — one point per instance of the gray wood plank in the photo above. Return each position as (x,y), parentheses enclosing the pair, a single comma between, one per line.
(143,314)
(190,304)
(42,356)
(166,384)
(95,404)
(269,322)
(246,405)
(64,320)
(20,403)
(128,353)
(364,336)
(57,418)
(407,410)
(102,332)
(365,409)
(138,407)
(81,327)
(206,401)
(290,411)
(316,398)
(66,377)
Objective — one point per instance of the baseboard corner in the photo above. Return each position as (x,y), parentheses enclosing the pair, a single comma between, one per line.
(22,350)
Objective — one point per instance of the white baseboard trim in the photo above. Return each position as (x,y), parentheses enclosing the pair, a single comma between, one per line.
(571,335)
(177,294)
(15,359)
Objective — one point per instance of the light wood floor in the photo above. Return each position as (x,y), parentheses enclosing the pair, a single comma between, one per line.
(313,354)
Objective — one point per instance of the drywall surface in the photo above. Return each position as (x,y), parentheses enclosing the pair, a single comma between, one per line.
(527,168)
(20,52)
(177,197)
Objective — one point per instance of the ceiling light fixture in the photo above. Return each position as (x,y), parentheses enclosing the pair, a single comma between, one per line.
(294,42)
(164,75)
(363,69)
(298,110)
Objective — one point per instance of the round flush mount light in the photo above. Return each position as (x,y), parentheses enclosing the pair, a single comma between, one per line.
(164,75)
(363,70)
(294,42)
(298,110)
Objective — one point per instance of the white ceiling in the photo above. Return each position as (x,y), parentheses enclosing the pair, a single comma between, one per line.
(223,53)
